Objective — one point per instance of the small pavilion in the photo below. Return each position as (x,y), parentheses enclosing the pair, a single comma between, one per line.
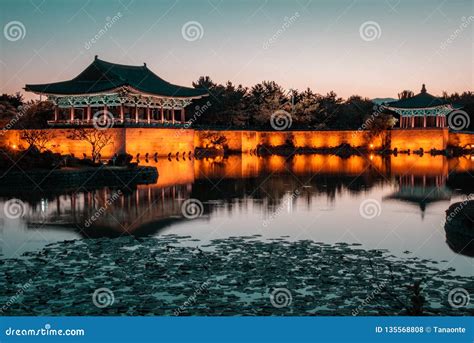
(129,94)
(421,111)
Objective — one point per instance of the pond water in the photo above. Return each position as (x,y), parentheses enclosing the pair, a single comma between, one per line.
(395,203)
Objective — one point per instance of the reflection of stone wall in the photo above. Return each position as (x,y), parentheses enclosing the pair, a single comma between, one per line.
(414,139)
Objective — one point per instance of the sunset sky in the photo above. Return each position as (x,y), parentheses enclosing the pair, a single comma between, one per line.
(299,44)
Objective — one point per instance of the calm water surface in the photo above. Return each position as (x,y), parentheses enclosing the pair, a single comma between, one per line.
(314,197)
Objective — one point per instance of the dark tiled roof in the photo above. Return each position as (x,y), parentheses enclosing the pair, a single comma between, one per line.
(421,100)
(102,76)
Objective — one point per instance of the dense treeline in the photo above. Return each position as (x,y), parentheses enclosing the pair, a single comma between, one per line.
(232,106)
(241,107)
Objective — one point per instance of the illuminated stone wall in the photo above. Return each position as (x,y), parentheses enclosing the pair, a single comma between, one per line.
(246,141)
(132,140)
(63,144)
(414,139)
(462,140)
(161,141)
(165,141)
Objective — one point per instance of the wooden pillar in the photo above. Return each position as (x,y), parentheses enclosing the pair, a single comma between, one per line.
(56,113)
(148,114)
(183,119)
(136,113)
(413,121)
(437,121)
(172,114)
(424,121)
(401,122)
(121,113)
(88,113)
(71,112)
(162,114)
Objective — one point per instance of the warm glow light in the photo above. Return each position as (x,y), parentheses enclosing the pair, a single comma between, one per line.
(14,146)
(371,156)
(371,146)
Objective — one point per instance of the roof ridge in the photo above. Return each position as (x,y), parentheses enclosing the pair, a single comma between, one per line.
(120,65)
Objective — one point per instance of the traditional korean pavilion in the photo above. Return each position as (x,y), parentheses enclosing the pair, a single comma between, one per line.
(131,94)
(421,111)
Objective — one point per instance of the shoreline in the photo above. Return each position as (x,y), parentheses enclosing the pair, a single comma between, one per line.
(14,182)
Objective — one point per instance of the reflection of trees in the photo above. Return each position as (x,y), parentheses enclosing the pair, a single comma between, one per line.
(222,182)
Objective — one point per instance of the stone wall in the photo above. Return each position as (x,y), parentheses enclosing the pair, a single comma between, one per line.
(164,141)
(246,141)
(415,139)
(131,140)
(462,140)
(61,143)
(157,140)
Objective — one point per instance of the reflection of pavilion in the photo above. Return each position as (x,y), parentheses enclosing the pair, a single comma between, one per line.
(144,210)
(421,190)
